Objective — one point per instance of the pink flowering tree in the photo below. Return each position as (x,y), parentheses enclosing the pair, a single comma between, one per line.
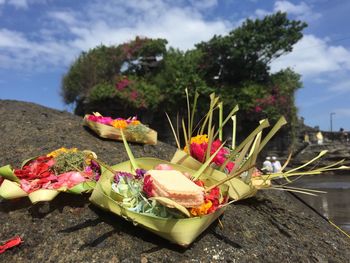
(145,77)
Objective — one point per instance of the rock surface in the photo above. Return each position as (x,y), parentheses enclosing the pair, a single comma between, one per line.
(271,227)
(336,151)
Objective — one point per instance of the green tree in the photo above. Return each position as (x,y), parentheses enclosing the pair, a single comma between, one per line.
(179,72)
(91,68)
(245,53)
(143,76)
(101,76)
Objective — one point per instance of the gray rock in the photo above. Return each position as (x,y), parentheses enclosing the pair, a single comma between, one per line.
(271,227)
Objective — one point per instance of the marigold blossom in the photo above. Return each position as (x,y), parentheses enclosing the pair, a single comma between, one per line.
(59,151)
(202,209)
(199,139)
(119,123)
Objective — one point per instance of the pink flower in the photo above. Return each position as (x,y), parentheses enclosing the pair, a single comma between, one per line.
(134,95)
(68,180)
(230,166)
(36,184)
(100,119)
(163,166)
(122,84)
(198,151)
(148,186)
(258,109)
(220,157)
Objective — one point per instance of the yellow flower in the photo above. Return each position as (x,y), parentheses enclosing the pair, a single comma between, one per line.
(202,209)
(119,124)
(59,151)
(198,140)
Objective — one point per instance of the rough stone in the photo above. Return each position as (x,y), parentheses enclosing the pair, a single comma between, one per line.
(271,227)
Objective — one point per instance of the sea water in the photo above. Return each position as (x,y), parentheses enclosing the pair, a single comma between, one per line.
(335,203)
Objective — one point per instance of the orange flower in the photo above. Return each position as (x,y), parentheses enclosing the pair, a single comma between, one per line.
(202,209)
(121,124)
(199,139)
(59,151)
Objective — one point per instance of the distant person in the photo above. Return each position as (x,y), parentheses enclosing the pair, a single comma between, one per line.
(267,165)
(344,135)
(276,165)
(319,138)
(307,138)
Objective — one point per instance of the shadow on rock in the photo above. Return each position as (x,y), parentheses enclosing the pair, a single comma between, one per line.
(42,209)
(120,225)
(14,204)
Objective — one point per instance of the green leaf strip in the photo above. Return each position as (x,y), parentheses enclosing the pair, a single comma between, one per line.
(129,152)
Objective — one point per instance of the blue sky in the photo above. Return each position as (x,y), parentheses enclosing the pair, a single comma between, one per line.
(39,39)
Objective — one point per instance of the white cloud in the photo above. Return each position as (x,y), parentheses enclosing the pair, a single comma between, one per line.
(302,11)
(22,4)
(204,4)
(71,31)
(341,86)
(62,16)
(12,40)
(286,6)
(18,3)
(19,52)
(261,12)
(177,26)
(313,56)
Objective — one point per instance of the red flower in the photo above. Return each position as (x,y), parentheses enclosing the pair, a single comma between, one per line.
(230,166)
(220,157)
(214,198)
(36,169)
(36,184)
(198,151)
(199,183)
(36,174)
(148,186)
(1,180)
(214,194)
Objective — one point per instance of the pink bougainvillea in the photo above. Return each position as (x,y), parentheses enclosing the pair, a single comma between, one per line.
(122,84)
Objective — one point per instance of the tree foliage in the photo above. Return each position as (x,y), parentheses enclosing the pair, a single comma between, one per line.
(144,75)
(245,53)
